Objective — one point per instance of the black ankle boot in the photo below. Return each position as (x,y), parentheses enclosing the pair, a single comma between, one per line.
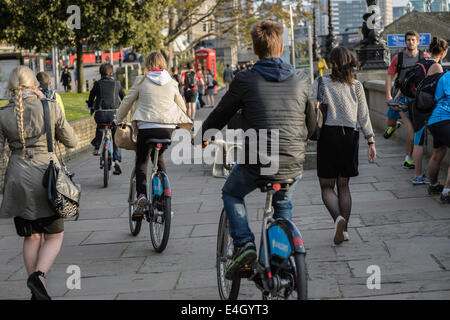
(37,287)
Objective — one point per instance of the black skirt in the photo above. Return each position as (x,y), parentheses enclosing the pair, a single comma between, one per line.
(337,152)
(48,225)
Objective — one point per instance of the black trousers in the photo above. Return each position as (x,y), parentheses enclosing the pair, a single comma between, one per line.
(143,155)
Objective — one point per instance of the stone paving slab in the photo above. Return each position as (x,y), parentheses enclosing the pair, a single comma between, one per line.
(393,224)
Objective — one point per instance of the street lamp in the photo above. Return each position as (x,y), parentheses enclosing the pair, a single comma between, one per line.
(331,39)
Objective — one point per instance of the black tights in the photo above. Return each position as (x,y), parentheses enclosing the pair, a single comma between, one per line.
(339,204)
(143,147)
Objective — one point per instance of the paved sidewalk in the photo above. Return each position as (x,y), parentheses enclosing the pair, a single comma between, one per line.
(393,225)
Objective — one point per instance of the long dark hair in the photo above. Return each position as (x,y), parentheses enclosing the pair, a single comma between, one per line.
(343,64)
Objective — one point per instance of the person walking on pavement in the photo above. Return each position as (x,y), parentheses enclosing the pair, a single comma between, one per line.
(190,80)
(400,65)
(338,145)
(210,87)
(66,79)
(438,48)
(159,108)
(103,100)
(25,199)
(227,76)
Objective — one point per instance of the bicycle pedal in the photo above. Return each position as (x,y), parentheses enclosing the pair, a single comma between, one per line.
(136,217)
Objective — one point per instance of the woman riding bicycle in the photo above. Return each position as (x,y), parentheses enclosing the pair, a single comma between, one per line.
(158,110)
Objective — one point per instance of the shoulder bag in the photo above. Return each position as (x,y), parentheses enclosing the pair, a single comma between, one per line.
(62,193)
(321,112)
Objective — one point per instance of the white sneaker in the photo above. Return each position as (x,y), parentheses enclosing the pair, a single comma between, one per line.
(346,238)
(339,230)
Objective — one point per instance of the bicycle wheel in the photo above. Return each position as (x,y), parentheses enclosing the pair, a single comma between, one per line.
(228,289)
(301,284)
(105,167)
(135,225)
(161,218)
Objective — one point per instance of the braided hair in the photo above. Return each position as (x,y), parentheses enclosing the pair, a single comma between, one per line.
(20,79)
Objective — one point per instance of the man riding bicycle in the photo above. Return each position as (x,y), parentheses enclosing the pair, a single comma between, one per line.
(103,100)
(272,95)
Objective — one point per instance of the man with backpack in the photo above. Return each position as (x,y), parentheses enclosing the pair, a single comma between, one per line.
(422,86)
(104,100)
(401,65)
(190,80)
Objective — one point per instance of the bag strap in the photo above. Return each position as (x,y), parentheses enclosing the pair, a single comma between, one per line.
(48,129)
(421,54)
(399,62)
(319,86)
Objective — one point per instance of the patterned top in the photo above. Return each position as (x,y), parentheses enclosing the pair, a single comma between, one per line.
(347,104)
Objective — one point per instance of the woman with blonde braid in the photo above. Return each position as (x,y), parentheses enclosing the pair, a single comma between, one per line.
(22,126)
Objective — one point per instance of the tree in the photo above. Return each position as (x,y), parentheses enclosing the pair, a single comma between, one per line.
(42,24)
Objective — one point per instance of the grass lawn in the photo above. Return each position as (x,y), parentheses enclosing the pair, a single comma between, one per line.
(74,105)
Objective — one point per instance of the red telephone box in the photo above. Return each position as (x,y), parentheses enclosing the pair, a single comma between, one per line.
(206,59)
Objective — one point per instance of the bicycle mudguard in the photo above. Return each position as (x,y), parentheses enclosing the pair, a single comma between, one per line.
(166,184)
(284,239)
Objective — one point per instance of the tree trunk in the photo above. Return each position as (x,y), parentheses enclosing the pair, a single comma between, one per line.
(169,51)
(80,71)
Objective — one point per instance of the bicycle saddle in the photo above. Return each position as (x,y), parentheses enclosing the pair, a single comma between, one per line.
(266,185)
(162,141)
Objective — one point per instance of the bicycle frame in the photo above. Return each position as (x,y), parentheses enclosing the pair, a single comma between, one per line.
(107,137)
(290,230)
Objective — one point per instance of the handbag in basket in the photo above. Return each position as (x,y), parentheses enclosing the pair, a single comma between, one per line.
(123,138)
(321,112)
(62,193)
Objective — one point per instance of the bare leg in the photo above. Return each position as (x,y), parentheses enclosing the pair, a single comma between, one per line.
(410,131)
(31,247)
(49,251)
(193,107)
(417,157)
(391,122)
(447,181)
(435,161)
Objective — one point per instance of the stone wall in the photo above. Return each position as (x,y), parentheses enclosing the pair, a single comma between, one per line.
(85,129)
(375,95)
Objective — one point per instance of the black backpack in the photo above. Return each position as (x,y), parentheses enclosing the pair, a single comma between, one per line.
(414,76)
(191,79)
(424,103)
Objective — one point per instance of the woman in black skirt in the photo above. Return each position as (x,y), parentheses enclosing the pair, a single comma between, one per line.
(337,148)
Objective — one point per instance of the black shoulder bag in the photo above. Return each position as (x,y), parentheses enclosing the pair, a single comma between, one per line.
(321,112)
(62,193)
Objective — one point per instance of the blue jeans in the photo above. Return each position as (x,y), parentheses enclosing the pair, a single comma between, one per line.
(239,183)
(117,153)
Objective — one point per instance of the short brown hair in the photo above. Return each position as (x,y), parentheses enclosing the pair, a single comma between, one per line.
(267,37)
(155,60)
(343,64)
(412,33)
(43,77)
(106,70)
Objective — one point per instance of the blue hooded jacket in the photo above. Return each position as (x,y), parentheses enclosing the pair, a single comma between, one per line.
(274,69)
